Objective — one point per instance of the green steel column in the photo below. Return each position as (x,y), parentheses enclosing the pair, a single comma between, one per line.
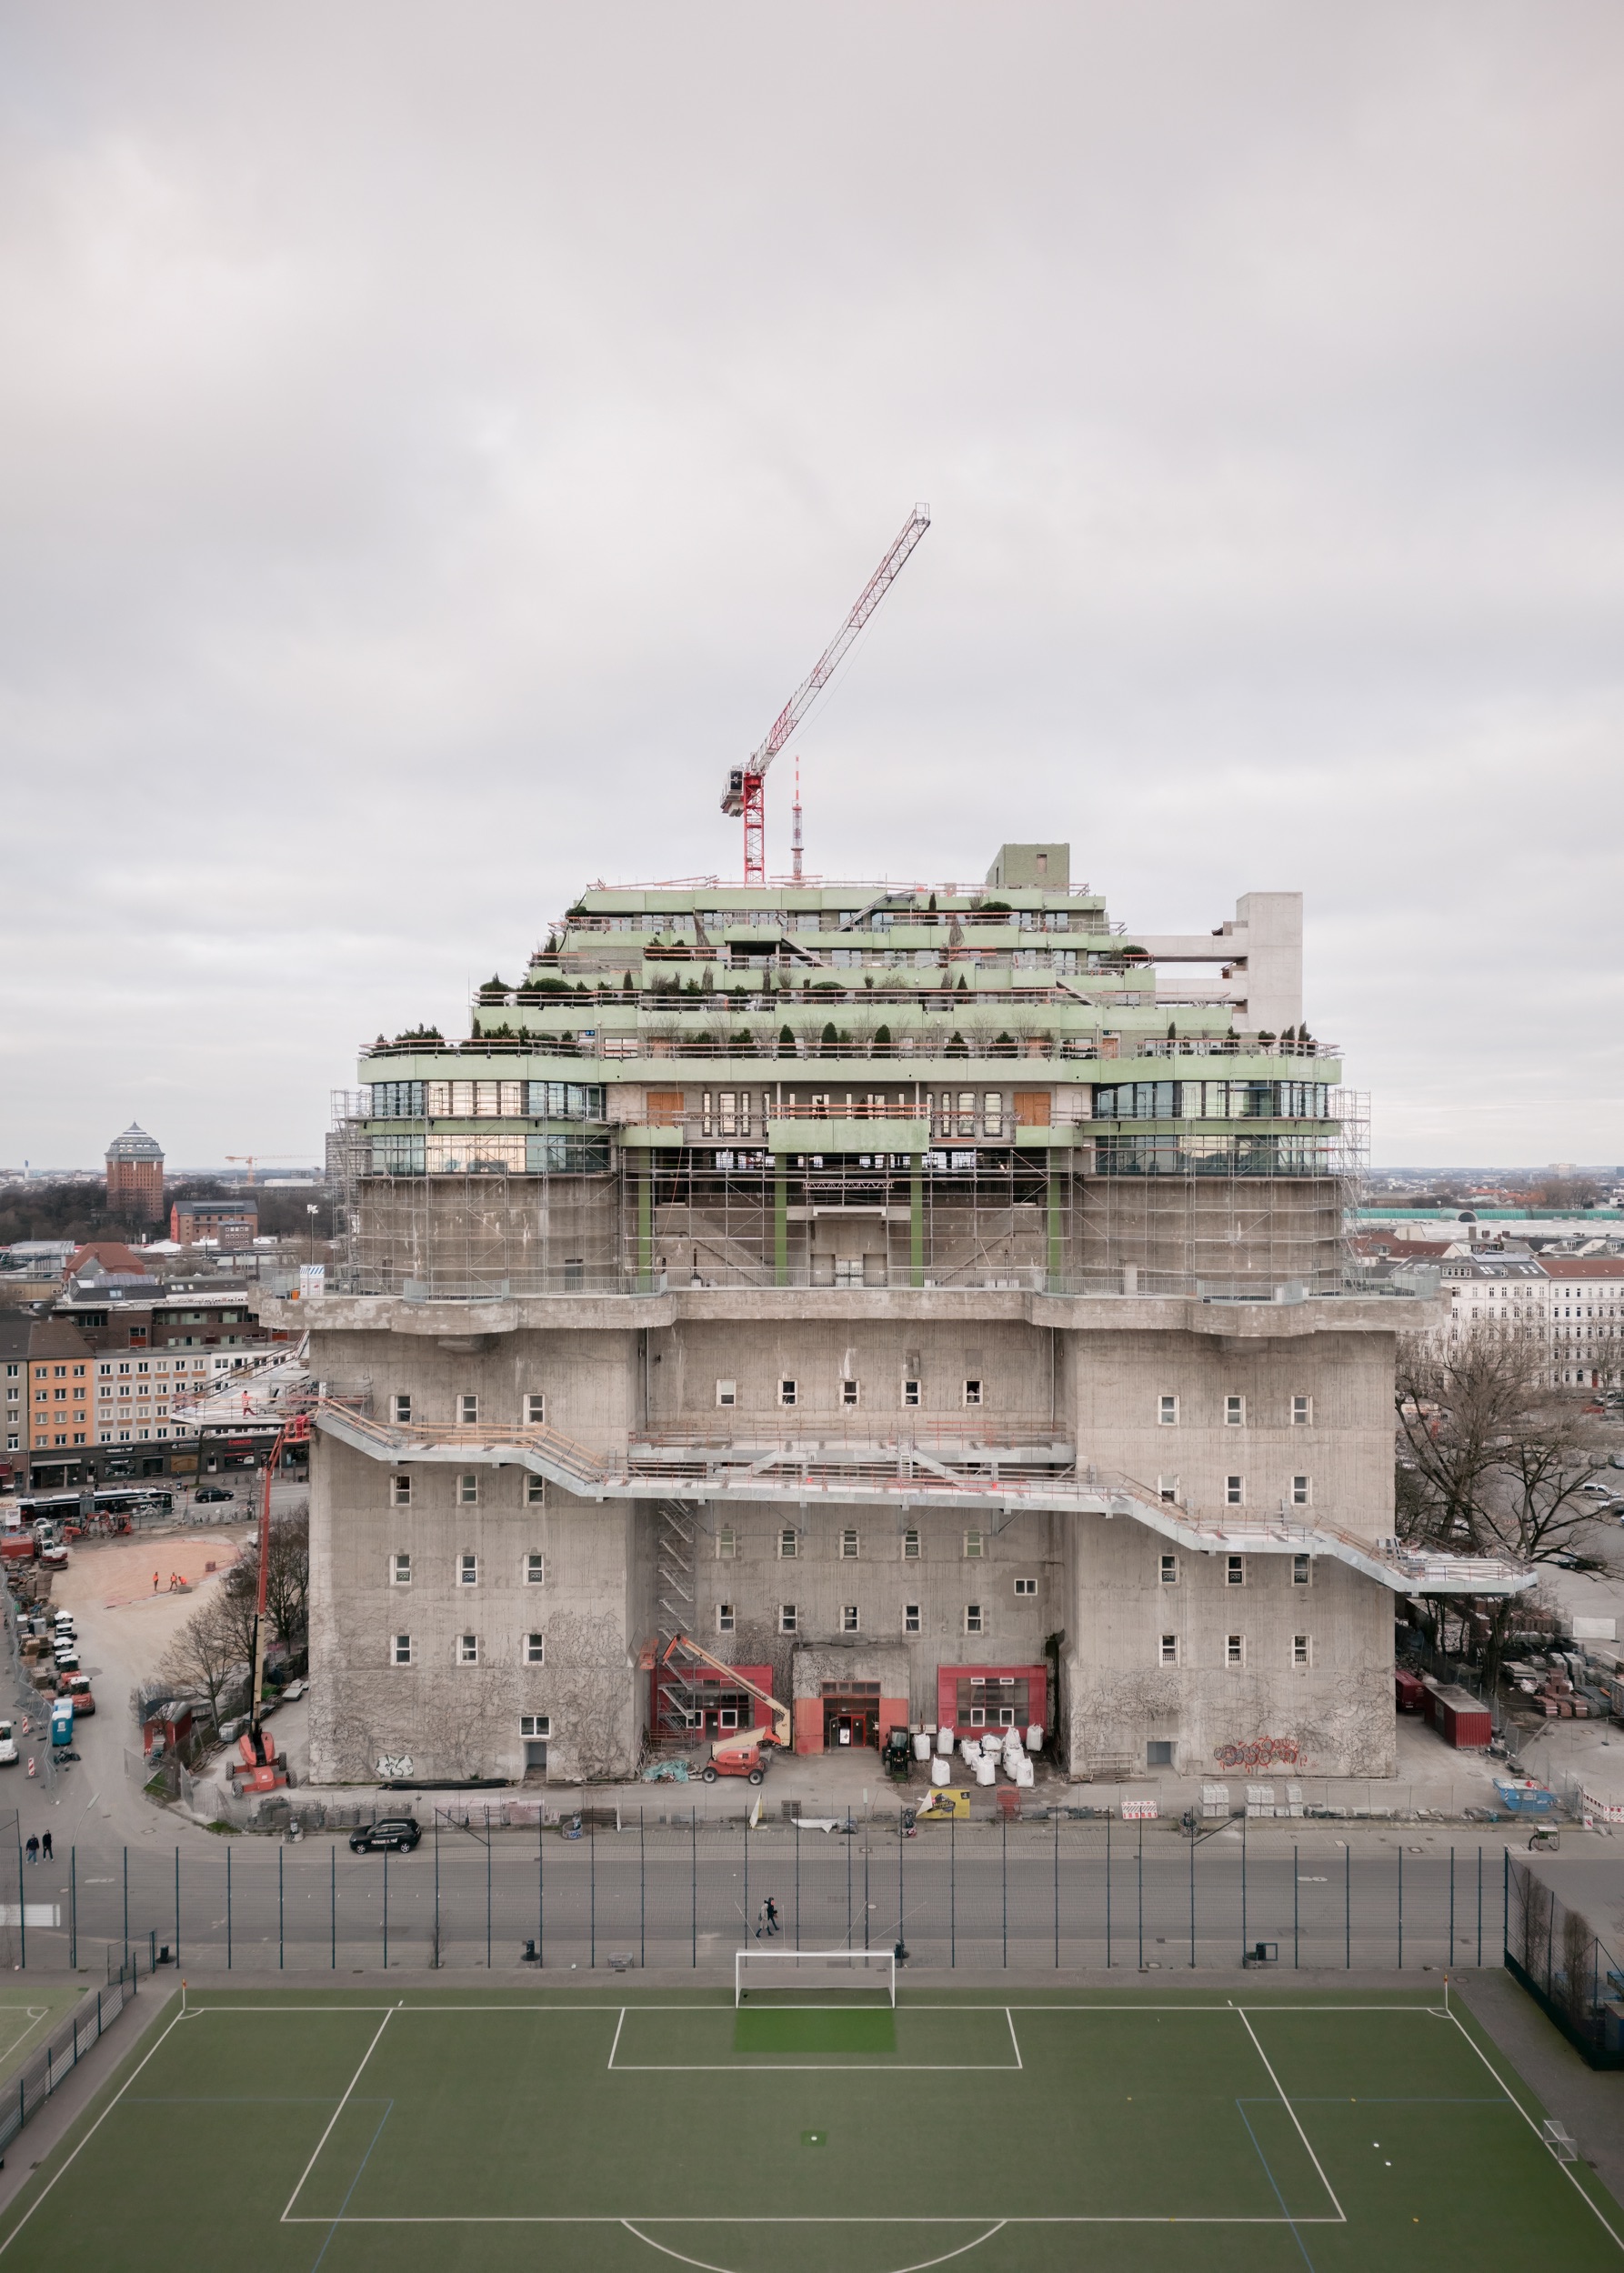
(1055,1247)
(644,1226)
(781,1225)
(916,1226)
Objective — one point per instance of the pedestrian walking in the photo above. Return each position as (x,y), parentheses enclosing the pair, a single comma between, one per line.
(46,1852)
(761,1926)
(154,1582)
(772,1915)
(32,1849)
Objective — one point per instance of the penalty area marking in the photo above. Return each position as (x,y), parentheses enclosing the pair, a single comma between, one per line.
(1566,2169)
(920,2265)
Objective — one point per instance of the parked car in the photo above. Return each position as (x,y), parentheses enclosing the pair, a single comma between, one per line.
(212,1493)
(1602,1491)
(396,1831)
(8,1745)
(66,1657)
(295,1690)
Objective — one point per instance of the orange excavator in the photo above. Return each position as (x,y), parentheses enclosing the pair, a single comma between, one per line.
(746,1752)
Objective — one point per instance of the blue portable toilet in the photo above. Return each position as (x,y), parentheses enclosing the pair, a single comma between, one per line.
(62,1720)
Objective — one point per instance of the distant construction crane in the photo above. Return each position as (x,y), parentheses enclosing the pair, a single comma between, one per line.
(745,792)
(250,1160)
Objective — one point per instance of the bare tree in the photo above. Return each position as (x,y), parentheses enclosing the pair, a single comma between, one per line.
(205,1658)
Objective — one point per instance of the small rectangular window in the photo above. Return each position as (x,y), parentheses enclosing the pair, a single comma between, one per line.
(1024,1586)
(1166,1490)
(1158,1752)
(1168,1412)
(972,1618)
(536,1490)
(725,1618)
(1234,1491)
(786,1392)
(1302,1411)
(536,1409)
(1169,1570)
(787,1617)
(400,1491)
(1301,1650)
(972,1393)
(910,1544)
(1235,1649)
(848,1394)
(1235,1571)
(726,1543)
(468,1489)
(535,1570)
(400,1649)
(849,1618)
(1302,1570)
(789,1544)
(467,1649)
(1299,1491)
(726,1393)
(910,1617)
(1235,1412)
(849,1543)
(400,1570)
(468,1570)
(467,1408)
(402,1406)
(1170,1649)
(535,1650)
(975,1546)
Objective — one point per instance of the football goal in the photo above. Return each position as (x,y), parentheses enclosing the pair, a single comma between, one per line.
(871,1974)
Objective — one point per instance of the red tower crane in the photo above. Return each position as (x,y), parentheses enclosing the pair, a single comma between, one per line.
(744,793)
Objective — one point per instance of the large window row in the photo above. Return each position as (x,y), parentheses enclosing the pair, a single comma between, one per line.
(1215,1156)
(1213,1101)
(451,1154)
(488,1100)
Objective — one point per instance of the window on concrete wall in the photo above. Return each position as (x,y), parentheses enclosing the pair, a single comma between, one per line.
(1302,1411)
(1302,1570)
(1235,1412)
(975,1546)
(726,1393)
(1167,1412)
(400,1491)
(972,1618)
(400,1649)
(536,1724)
(1166,1490)
(725,1618)
(1299,1491)
(910,1617)
(849,1622)
(403,1405)
(850,1540)
(910,1544)
(910,1394)
(789,1544)
(536,1409)
(535,1570)
(468,1489)
(1158,1752)
(1025,1587)
(1235,1571)
(1235,1649)
(1169,1570)
(726,1543)
(786,1392)
(1169,1653)
(972,1393)
(1235,1491)
(467,1649)
(535,1650)
(849,1394)
(1302,1650)
(468,1570)
(536,1490)
(400,1570)
(787,1617)
(468,1406)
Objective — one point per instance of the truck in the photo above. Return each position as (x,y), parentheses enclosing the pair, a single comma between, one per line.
(746,1752)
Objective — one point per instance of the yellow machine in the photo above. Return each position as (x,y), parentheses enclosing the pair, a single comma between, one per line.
(941,1805)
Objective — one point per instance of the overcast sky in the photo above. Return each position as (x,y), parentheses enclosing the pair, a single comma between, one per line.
(435,440)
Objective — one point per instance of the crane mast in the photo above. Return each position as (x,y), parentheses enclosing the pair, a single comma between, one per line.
(743,796)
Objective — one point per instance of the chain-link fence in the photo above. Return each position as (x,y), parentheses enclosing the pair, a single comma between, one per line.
(1563,1963)
(682,1891)
(21,2098)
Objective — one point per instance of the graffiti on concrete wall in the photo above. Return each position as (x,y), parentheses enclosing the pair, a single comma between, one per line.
(1262,1752)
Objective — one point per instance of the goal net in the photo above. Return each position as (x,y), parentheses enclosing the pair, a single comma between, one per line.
(788,1974)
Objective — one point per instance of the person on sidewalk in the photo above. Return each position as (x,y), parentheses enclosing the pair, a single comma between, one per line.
(154,1582)
(45,1854)
(761,1925)
(32,1850)
(772,1915)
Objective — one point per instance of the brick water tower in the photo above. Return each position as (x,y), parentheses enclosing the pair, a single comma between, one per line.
(135,1176)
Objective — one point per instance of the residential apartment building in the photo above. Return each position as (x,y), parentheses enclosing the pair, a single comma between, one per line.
(1573,1304)
(230,1224)
(135,1165)
(48,1384)
(934,1296)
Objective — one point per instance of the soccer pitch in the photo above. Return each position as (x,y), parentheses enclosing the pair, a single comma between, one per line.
(615,2131)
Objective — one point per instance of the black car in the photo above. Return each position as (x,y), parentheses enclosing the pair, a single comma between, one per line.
(213,1492)
(396,1831)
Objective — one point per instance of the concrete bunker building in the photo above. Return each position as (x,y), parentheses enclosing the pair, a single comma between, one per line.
(930,1298)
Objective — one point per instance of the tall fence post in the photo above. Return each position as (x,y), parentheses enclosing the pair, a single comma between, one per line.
(867,1839)
(127,1897)
(1108,1892)
(1505,1900)
(1348,1905)
(1401,1909)
(952,1890)
(386,1909)
(333,1907)
(694,1890)
(1057,1824)
(281,1928)
(1296,1908)
(541,1884)
(641,1888)
(1141,1892)
(177,1906)
(1480,1906)
(488,1888)
(592,1892)
(1244,1821)
(439,1952)
(1192,1898)
(1451,1906)
(21,1904)
(797,1884)
(1005,1889)
(73,1908)
(747,1902)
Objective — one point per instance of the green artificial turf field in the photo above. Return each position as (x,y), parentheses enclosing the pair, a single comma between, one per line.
(28,2020)
(619,2130)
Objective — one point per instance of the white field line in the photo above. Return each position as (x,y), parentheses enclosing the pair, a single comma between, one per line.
(619,2024)
(921,2266)
(658,2218)
(613,2005)
(1014,2039)
(89,2135)
(1291,2111)
(1565,2168)
(36,2013)
(338,2110)
(747,2067)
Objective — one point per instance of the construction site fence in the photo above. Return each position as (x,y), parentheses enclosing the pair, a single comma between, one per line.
(668,1887)
(23,2096)
(1553,1950)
